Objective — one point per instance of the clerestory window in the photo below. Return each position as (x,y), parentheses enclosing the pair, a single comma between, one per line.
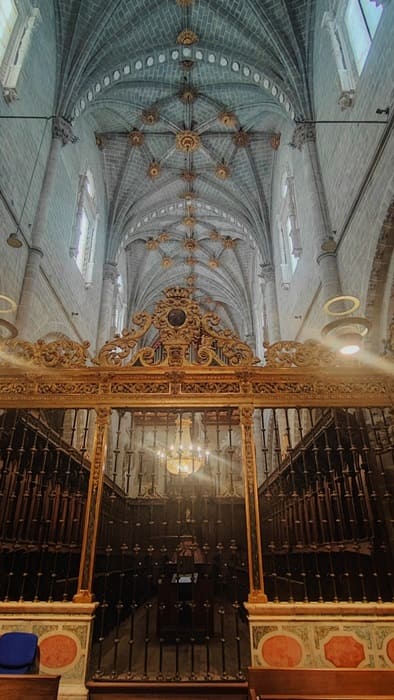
(85,228)
(361,21)
(17,21)
(289,234)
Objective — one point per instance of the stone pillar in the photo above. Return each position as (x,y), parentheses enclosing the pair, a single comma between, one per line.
(110,276)
(270,303)
(304,138)
(61,135)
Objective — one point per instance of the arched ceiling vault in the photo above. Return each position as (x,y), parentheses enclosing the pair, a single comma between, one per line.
(188,99)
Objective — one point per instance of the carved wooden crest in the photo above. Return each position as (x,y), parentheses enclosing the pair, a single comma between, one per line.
(185,337)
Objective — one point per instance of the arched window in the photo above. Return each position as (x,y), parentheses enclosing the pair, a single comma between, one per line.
(361,21)
(85,227)
(351,29)
(289,234)
(17,21)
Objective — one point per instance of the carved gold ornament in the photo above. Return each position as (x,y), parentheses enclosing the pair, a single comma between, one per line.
(188,95)
(150,116)
(152,244)
(222,171)
(190,280)
(163,237)
(190,244)
(213,263)
(136,138)
(187,141)
(154,169)
(189,220)
(166,261)
(214,235)
(187,65)
(287,353)
(229,243)
(62,352)
(241,139)
(228,119)
(191,261)
(188,175)
(187,37)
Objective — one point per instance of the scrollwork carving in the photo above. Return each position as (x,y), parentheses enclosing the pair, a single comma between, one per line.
(62,352)
(116,351)
(289,353)
(227,342)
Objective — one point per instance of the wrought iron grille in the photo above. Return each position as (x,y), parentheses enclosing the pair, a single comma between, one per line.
(171,571)
(44,473)
(326,504)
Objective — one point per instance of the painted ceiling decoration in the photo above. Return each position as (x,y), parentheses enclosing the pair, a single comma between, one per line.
(188,100)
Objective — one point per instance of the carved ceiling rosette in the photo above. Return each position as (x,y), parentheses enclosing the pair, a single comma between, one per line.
(222,171)
(188,175)
(188,95)
(228,119)
(150,116)
(187,141)
(154,169)
(241,139)
(187,37)
(135,138)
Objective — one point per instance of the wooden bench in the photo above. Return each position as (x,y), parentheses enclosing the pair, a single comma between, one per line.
(28,687)
(320,684)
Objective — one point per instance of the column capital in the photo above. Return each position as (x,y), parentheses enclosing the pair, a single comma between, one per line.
(302,133)
(62,129)
(267,272)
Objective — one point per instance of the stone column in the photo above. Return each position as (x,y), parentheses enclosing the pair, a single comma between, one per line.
(270,303)
(61,135)
(110,276)
(304,138)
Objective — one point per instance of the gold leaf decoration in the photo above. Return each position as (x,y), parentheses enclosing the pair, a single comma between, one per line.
(228,119)
(135,138)
(222,171)
(187,37)
(187,141)
(241,139)
(62,352)
(154,169)
(115,351)
(291,353)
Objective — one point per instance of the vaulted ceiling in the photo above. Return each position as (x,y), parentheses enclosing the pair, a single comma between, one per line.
(188,98)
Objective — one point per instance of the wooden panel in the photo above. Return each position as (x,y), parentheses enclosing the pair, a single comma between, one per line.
(321,684)
(22,687)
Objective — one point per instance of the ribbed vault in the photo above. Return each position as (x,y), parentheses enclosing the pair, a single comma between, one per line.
(188,99)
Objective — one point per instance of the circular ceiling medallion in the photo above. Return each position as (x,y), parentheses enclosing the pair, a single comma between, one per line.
(150,116)
(163,237)
(166,261)
(190,244)
(135,138)
(187,65)
(187,141)
(228,119)
(188,175)
(213,263)
(189,220)
(188,95)
(187,37)
(222,171)
(152,244)
(241,139)
(154,169)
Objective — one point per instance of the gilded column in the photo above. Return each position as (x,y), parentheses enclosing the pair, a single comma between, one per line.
(271,311)
(93,505)
(110,276)
(253,532)
(304,138)
(61,135)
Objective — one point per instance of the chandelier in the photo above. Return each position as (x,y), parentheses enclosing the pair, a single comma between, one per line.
(184,457)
